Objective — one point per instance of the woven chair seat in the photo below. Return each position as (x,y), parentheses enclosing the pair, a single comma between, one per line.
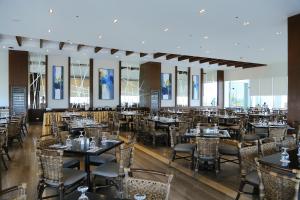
(253,178)
(109,170)
(70,162)
(250,137)
(70,176)
(227,149)
(102,159)
(185,147)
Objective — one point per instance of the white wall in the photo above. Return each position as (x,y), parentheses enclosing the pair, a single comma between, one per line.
(109,64)
(169,69)
(58,60)
(194,71)
(4,85)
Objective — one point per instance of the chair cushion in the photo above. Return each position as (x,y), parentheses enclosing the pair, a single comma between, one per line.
(184,147)
(252,178)
(70,162)
(70,176)
(227,149)
(250,137)
(103,158)
(110,170)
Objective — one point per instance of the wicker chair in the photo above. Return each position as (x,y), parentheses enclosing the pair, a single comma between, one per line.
(268,148)
(207,151)
(153,188)
(3,147)
(113,171)
(277,133)
(52,174)
(185,148)
(157,133)
(14,193)
(289,142)
(248,171)
(14,132)
(229,151)
(274,185)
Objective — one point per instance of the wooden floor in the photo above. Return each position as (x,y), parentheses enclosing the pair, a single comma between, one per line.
(22,168)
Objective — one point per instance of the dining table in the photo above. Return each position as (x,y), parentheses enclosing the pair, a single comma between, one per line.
(81,147)
(92,196)
(208,132)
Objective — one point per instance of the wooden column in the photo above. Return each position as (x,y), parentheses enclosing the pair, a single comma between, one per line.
(220,88)
(176,69)
(69,82)
(120,81)
(201,86)
(189,86)
(91,83)
(46,81)
(293,68)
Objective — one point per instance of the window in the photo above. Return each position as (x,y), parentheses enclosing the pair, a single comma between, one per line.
(237,93)
(130,74)
(182,88)
(210,93)
(37,81)
(80,83)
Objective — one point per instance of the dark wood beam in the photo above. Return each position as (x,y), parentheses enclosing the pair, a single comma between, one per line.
(79,47)
(180,58)
(194,59)
(113,51)
(128,53)
(143,54)
(240,64)
(171,56)
(19,40)
(97,49)
(157,55)
(216,61)
(61,45)
(205,60)
(41,43)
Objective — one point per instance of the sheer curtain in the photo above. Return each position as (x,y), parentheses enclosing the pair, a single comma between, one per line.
(210,93)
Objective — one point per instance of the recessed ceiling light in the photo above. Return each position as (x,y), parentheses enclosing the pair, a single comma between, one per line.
(166,29)
(246,23)
(100,37)
(205,37)
(115,21)
(178,47)
(143,42)
(278,33)
(49,30)
(30,39)
(236,44)
(47,50)
(207,52)
(3,47)
(117,56)
(50,10)
(202,11)
(262,49)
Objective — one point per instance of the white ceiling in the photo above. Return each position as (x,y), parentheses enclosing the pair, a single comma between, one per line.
(264,40)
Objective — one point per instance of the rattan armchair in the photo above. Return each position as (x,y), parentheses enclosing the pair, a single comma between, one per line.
(267,148)
(3,146)
(289,142)
(52,174)
(207,152)
(277,185)
(157,133)
(14,132)
(229,151)
(248,171)
(153,188)
(14,193)
(278,133)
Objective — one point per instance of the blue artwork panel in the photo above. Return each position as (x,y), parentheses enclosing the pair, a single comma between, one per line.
(57,82)
(195,88)
(106,84)
(166,86)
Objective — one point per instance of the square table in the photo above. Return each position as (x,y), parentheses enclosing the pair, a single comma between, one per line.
(80,146)
(207,132)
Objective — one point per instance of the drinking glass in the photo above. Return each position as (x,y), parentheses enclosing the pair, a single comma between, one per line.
(83,190)
(93,143)
(139,196)
(285,155)
(68,141)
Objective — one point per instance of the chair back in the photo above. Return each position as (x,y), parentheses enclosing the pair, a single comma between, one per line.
(173,136)
(268,148)
(3,139)
(208,147)
(153,188)
(126,157)
(50,165)
(13,128)
(276,185)
(247,157)
(277,132)
(290,143)
(14,193)
(45,143)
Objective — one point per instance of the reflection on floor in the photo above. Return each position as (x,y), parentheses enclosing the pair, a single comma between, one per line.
(22,168)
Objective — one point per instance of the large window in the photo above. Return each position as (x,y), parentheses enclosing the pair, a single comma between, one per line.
(80,83)
(237,93)
(130,74)
(210,93)
(37,81)
(182,88)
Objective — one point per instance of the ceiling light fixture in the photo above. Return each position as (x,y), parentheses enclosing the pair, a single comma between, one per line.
(49,30)
(100,37)
(246,23)
(50,11)
(262,49)
(202,11)
(3,47)
(30,39)
(205,37)
(166,29)
(236,44)
(143,42)
(278,33)
(47,50)
(115,21)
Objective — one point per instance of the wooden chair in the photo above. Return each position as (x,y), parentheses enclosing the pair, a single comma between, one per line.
(207,151)
(53,175)
(248,171)
(277,185)
(153,188)
(14,193)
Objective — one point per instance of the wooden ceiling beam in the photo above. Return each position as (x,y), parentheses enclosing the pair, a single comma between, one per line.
(79,47)
(181,58)
(157,55)
(41,43)
(97,49)
(215,61)
(61,45)
(194,59)
(143,54)
(19,40)
(171,56)
(128,53)
(205,60)
(113,51)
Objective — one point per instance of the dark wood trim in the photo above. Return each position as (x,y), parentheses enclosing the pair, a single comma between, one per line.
(61,45)
(69,81)
(175,81)
(157,55)
(46,81)
(97,49)
(171,56)
(143,54)
(19,40)
(202,74)
(120,78)
(189,86)
(79,47)
(41,43)
(128,53)
(220,88)
(181,58)
(113,51)
(91,83)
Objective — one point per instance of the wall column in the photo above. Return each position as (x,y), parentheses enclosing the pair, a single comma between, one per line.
(220,88)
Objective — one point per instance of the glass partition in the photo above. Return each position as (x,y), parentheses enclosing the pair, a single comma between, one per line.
(182,88)
(210,92)
(37,81)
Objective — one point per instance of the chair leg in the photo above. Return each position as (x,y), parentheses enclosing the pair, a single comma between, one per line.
(173,155)
(61,192)
(4,163)
(240,190)
(41,188)
(6,153)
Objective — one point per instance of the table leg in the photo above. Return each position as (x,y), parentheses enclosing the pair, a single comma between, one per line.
(87,170)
